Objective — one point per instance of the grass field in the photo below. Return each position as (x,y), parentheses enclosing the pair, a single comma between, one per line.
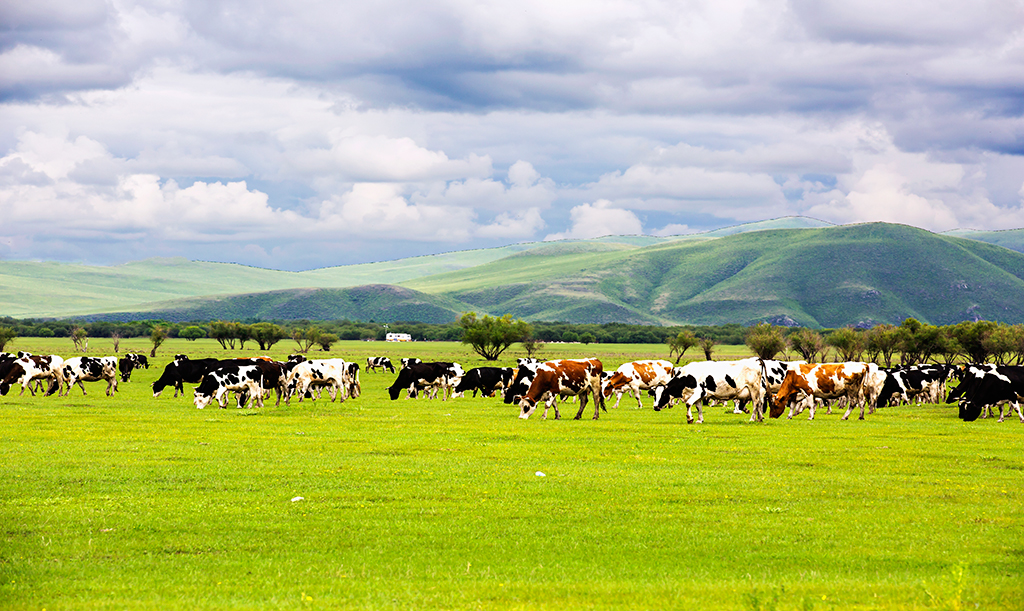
(133,502)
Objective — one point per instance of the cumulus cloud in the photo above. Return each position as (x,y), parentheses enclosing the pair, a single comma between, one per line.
(470,124)
(597,220)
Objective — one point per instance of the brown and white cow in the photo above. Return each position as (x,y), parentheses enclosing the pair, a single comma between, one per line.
(821,381)
(565,378)
(634,377)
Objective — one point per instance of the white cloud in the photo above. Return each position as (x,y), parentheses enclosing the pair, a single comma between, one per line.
(599,219)
(305,121)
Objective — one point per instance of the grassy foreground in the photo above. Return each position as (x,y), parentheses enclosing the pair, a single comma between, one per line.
(133,502)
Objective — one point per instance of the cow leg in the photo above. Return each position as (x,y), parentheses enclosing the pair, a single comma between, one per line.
(639,403)
(583,405)
(80,385)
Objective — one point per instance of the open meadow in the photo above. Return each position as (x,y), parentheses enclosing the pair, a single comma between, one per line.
(135,502)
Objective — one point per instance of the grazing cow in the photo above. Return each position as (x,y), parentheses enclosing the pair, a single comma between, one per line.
(240,377)
(129,363)
(926,383)
(182,369)
(521,382)
(10,372)
(822,381)
(410,361)
(485,380)
(418,376)
(78,369)
(986,386)
(354,388)
(37,368)
(700,380)
(373,363)
(564,378)
(308,377)
(273,375)
(634,377)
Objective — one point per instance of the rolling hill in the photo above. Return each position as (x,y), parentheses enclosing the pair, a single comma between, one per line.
(813,275)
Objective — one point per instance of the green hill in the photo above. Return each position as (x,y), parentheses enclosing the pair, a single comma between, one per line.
(810,274)
(1012,239)
(379,302)
(817,277)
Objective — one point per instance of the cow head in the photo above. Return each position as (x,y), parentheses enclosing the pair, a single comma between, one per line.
(394,391)
(201,401)
(527,407)
(681,386)
(777,407)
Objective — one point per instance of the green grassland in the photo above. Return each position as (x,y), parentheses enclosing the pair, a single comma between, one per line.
(133,502)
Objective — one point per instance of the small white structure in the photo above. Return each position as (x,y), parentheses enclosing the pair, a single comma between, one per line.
(398,337)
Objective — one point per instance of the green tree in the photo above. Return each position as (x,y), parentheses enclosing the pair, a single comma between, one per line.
(808,343)
(157,336)
(587,338)
(707,344)
(306,338)
(80,337)
(971,337)
(7,334)
(192,333)
(765,340)
(243,333)
(883,341)
(266,334)
(490,336)
(224,333)
(532,345)
(848,343)
(324,340)
(679,344)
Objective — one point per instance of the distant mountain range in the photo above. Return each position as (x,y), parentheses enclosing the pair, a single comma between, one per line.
(789,271)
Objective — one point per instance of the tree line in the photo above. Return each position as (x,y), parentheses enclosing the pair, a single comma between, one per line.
(910,342)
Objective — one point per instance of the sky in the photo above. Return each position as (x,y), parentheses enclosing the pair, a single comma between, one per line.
(304,134)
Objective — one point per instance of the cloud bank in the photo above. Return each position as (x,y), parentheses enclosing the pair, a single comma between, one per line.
(306,134)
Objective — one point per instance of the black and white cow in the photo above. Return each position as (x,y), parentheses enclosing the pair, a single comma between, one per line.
(736,380)
(420,376)
(10,372)
(129,363)
(986,386)
(78,369)
(926,383)
(373,363)
(240,377)
(35,369)
(521,381)
(354,388)
(309,377)
(182,369)
(485,380)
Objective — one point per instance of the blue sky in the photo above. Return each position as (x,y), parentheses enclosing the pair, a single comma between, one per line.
(295,135)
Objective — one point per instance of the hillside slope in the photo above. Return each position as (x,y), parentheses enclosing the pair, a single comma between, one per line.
(816,277)
(378,302)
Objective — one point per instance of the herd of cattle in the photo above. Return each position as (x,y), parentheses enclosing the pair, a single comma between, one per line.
(763,385)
